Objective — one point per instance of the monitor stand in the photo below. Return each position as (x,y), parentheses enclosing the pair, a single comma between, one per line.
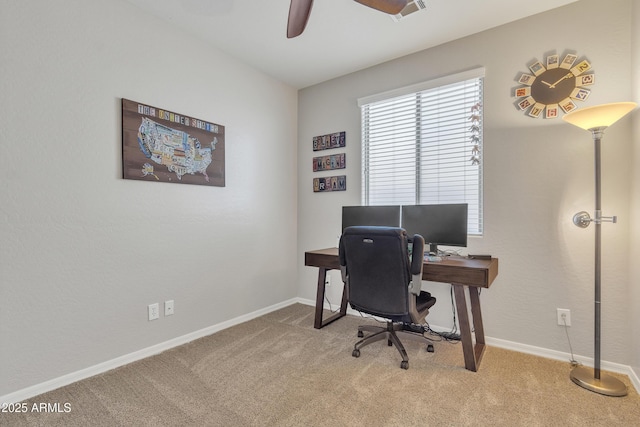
(433,249)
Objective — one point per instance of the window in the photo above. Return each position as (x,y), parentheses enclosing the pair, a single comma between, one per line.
(422,145)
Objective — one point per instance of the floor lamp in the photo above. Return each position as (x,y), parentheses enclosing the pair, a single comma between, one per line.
(596,120)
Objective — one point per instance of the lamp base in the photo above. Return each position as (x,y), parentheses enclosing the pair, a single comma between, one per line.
(607,385)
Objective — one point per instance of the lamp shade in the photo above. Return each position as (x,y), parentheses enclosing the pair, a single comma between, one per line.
(599,116)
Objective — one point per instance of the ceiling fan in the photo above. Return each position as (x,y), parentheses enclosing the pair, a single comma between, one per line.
(300,9)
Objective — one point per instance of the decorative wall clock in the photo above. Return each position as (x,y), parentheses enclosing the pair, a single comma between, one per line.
(553,87)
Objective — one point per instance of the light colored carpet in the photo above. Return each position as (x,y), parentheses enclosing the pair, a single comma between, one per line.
(278,371)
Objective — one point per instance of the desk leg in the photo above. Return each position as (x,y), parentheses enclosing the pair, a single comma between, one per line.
(318,322)
(474,294)
(472,353)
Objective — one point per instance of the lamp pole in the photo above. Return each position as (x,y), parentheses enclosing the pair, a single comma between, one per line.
(597,139)
(580,375)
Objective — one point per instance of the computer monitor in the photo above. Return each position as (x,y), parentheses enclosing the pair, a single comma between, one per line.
(444,224)
(388,216)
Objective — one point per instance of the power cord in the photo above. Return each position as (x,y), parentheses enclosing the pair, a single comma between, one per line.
(454,329)
(331,306)
(449,252)
(453,335)
(416,328)
(573,360)
(444,336)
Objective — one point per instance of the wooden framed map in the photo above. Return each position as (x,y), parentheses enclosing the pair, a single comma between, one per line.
(162,146)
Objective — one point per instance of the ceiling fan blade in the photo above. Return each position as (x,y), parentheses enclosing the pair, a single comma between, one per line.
(298,16)
(391,7)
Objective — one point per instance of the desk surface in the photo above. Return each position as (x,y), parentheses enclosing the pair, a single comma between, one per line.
(456,270)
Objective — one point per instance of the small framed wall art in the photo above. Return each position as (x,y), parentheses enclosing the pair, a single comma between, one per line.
(326,142)
(330,183)
(326,163)
(329,162)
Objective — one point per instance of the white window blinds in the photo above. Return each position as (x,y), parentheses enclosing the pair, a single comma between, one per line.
(423,145)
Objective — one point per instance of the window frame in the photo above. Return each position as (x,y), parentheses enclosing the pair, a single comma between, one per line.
(476,227)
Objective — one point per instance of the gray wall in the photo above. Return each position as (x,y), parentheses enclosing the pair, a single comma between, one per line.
(83,251)
(538,173)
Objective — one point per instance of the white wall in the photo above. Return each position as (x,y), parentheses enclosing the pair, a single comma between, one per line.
(82,250)
(538,173)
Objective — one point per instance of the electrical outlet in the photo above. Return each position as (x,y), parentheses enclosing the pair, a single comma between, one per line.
(564,316)
(168,308)
(154,311)
(327,280)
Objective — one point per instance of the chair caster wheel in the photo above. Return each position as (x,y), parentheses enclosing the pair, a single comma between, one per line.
(356,353)
(360,334)
(430,348)
(389,343)
(404,364)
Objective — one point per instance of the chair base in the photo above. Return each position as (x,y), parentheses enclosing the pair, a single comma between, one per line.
(391,333)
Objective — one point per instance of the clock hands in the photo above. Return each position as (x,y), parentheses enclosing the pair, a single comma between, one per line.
(566,76)
(552,86)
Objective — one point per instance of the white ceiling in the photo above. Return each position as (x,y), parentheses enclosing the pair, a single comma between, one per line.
(341,37)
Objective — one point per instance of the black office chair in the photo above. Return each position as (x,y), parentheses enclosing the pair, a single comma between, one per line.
(382,280)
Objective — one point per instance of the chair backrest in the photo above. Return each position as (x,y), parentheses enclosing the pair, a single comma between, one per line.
(376,263)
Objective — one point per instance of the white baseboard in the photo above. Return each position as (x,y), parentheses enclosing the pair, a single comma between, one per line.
(529,349)
(566,357)
(635,380)
(100,368)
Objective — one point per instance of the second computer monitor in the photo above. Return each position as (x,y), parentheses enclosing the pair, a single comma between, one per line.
(444,224)
(388,216)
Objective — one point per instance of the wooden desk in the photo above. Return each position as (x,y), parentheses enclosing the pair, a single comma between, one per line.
(462,273)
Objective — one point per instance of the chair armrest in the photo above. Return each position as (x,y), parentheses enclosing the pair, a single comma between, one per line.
(417,258)
(343,260)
